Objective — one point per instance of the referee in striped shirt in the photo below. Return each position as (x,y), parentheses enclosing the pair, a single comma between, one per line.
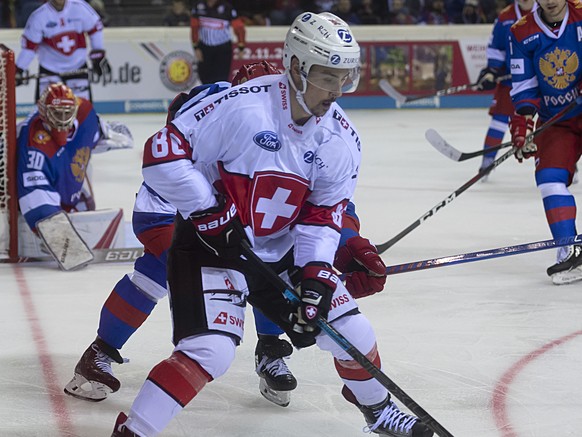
(211,38)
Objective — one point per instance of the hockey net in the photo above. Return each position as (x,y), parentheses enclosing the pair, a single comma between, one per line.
(8,195)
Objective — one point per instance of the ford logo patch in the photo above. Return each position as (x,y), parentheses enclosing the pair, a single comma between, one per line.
(267,140)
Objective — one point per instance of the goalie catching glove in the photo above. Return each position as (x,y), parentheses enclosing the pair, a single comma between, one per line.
(366,271)
(316,284)
(219,228)
(521,127)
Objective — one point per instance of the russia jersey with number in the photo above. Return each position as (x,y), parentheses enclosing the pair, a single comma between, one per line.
(546,68)
(59,36)
(498,42)
(50,178)
(290,183)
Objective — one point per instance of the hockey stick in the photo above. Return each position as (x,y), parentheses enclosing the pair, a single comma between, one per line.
(402,99)
(482,255)
(439,143)
(29,77)
(115,255)
(348,347)
(482,173)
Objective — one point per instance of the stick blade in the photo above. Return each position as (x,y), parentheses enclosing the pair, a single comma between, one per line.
(392,92)
(439,143)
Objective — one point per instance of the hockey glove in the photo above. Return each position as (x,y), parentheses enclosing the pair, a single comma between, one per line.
(367,271)
(487,79)
(100,64)
(521,127)
(316,283)
(219,228)
(21,77)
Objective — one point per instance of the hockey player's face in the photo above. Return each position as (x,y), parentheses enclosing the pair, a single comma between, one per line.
(554,10)
(324,86)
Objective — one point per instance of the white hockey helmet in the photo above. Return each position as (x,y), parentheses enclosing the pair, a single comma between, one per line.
(326,40)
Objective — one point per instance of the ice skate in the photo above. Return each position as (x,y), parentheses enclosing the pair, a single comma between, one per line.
(386,419)
(94,379)
(276,380)
(569,269)
(120,430)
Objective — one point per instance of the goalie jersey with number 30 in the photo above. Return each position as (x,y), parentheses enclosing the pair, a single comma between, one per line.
(50,176)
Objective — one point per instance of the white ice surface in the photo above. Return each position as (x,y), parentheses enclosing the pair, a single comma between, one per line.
(489,348)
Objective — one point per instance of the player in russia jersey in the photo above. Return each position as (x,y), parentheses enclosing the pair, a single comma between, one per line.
(57,31)
(274,160)
(498,65)
(546,71)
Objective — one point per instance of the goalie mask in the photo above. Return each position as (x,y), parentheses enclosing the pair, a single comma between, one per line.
(256,69)
(325,40)
(58,108)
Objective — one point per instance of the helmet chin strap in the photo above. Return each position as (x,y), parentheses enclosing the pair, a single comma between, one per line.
(299,94)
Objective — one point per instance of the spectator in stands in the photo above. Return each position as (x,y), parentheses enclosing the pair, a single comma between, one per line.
(455,10)
(254,12)
(400,13)
(369,12)
(344,10)
(285,11)
(472,13)
(434,13)
(178,14)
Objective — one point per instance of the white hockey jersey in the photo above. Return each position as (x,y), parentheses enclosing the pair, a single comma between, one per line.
(60,36)
(290,183)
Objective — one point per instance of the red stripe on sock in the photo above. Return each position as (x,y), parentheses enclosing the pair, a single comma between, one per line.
(556,215)
(352,370)
(180,377)
(124,311)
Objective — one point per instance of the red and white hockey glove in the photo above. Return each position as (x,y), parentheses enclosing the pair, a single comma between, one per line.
(366,270)
(521,127)
(317,283)
(219,228)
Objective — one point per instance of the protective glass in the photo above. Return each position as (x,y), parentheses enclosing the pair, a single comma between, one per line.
(334,80)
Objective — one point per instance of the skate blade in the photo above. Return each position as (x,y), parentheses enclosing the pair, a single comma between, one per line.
(567,277)
(281,398)
(81,388)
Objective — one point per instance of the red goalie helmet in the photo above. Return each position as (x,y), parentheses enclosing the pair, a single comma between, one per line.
(256,69)
(58,106)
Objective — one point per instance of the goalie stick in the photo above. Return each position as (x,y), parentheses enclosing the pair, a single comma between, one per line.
(443,146)
(402,99)
(482,173)
(348,347)
(116,255)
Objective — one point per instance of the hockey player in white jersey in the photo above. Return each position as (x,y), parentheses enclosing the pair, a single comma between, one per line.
(274,161)
(134,297)
(57,31)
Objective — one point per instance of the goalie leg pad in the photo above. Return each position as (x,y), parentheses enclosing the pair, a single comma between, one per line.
(63,242)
